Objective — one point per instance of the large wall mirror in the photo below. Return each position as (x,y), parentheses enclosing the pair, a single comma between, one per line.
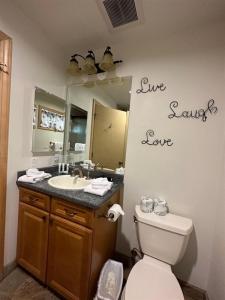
(98,120)
(48,123)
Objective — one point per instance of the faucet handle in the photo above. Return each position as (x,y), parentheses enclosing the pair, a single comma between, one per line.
(74,168)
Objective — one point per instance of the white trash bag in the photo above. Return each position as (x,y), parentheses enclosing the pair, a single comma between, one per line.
(110,281)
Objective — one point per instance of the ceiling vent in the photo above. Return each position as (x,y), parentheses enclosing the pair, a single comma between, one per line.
(119,13)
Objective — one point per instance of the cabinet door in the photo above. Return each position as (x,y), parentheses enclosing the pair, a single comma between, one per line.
(69,258)
(33,240)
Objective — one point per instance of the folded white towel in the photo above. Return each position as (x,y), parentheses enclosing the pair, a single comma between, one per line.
(97,189)
(101,183)
(100,180)
(102,187)
(33,179)
(99,192)
(34,172)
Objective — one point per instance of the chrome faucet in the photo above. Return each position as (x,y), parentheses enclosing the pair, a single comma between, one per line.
(88,171)
(81,174)
(79,169)
(75,179)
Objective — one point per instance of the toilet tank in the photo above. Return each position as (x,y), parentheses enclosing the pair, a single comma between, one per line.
(163,237)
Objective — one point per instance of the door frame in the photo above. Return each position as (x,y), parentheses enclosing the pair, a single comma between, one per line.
(5,83)
(94,103)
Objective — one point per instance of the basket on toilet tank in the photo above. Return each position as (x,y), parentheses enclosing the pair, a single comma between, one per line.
(163,237)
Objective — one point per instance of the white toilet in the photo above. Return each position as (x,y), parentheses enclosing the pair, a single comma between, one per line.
(163,240)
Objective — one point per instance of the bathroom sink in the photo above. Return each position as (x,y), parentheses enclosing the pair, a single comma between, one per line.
(67,182)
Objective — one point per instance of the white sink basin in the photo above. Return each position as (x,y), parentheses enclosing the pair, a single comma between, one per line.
(67,182)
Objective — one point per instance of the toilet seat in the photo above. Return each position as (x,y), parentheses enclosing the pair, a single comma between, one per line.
(151,279)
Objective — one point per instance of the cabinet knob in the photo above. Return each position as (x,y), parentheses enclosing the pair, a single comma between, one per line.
(33,199)
(70,213)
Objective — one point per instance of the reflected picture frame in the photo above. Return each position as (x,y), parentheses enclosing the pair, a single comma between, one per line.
(50,119)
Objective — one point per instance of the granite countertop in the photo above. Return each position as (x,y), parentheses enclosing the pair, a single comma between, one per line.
(78,197)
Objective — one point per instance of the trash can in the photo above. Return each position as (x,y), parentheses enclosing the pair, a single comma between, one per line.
(110,281)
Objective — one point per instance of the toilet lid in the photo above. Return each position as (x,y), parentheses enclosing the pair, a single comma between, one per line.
(149,281)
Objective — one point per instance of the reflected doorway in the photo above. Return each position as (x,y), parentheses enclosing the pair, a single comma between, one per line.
(77,131)
(109,136)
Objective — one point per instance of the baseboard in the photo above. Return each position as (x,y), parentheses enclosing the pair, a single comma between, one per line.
(193,291)
(8,269)
(206,296)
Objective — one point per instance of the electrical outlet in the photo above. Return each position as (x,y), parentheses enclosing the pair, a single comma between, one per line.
(56,158)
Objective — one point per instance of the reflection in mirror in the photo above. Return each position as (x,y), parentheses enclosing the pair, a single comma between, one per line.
(78,125)
(48,123)
(105,105)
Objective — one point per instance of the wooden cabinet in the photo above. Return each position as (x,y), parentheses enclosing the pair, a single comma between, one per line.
(72,212)
(63,244)
(70,251)
(33,240)
(35,199)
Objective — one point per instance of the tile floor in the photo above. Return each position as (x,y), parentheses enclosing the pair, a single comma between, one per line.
(18,285)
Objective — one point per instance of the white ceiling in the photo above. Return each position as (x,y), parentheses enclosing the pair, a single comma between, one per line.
(118,89)
(76,25)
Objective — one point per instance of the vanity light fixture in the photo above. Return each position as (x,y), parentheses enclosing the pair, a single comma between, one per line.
(90,66)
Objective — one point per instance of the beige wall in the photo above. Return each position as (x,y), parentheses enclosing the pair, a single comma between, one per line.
(35,62)
(188,174)
(216,282)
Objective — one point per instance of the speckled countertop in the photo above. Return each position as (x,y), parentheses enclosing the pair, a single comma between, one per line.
(77,197)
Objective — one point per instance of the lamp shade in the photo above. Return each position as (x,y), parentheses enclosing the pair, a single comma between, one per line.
(107,63)
(73,68)
(89,64)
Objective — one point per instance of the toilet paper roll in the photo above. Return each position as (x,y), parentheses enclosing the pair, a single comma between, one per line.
(114,212)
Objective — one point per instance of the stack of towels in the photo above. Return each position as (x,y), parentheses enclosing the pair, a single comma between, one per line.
(99,186)
(34,175)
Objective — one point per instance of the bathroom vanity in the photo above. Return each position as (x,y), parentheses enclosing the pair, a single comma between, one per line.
(64,238)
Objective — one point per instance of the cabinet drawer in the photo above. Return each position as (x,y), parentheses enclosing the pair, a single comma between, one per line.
(35,199)
(72,212)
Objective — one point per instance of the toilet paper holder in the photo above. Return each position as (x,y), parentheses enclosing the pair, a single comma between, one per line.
(106,216)
(113,212)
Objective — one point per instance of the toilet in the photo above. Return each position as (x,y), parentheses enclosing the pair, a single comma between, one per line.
(163,240)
